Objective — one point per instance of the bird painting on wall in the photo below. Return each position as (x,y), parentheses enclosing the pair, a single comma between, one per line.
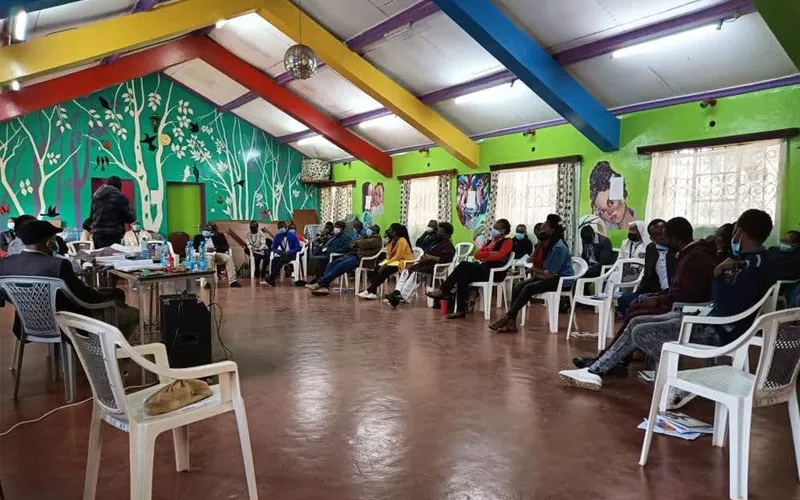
(194,128)
(240,183)
(52,211)
(196,173)
(103,102)
(150,140)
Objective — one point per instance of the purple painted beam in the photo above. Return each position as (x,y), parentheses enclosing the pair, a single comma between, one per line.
(784,81)
(657,30)
(597,48)
(140,6)
(239,101)
(297,136)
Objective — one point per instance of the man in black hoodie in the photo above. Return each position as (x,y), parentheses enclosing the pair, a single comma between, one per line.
(110,212)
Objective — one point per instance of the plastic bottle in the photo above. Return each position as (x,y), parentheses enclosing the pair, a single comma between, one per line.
(164,253)
(144,253)
(203,259)
(189,254)
(170,263)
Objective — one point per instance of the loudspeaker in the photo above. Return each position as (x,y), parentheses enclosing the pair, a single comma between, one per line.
(185,330)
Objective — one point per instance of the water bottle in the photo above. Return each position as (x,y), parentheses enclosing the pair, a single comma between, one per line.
(203,259)
(164,253)
(144,253)
(189,254)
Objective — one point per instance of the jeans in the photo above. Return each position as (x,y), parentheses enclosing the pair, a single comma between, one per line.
(278,261)
(523,292)
(624,301)
(464,274)
(103,240)
(380,276)
(338,267)
(260,264)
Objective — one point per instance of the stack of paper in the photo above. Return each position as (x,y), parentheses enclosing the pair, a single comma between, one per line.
(136,265)
(679,425)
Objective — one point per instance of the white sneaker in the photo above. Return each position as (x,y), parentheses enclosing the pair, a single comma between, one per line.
(581,378)
(368,296)
(678,398)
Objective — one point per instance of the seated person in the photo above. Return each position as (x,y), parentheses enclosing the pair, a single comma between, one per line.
(293,229)
(786,256)
(337,243)
(257,245)
(366,246)
(284,249)
(429,237)
(721,239)
(37,259)
(398,252)
(492,255)
(136,235)
(738,282)
(441,251)
(557,263)
(634,247)
(659,266)
(6,237)
(522,246)
(597,251)
(324,235)
(16,246)
(86,233)
(358,229)
(217,250)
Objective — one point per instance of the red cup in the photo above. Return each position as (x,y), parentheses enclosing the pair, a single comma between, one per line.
(443,306)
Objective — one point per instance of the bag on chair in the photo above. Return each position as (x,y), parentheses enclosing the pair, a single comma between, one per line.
(176,395)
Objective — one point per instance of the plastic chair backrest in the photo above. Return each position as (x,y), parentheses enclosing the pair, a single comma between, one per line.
(779,363)
(34,300)
(417,252)
(463,251)
(73,247)
(179,240)
(634,264)
(579,268)
(96,344)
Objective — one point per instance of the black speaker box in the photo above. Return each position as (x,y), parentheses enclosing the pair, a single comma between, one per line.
(185,330)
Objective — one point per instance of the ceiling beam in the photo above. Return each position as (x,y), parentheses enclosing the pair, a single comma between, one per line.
(783,18)
(282,98)
(94,41)
(287,18)
(726,10)
(139,6)
(535,67)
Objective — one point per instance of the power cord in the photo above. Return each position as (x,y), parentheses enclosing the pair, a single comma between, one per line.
(54,410)
(218,324)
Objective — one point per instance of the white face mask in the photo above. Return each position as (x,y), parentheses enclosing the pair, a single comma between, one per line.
(337,230)
(11,225)
(135,228)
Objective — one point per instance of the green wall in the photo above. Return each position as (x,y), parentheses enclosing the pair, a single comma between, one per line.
(151,131)
(754,112)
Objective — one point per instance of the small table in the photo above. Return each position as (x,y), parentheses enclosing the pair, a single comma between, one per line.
(153,280)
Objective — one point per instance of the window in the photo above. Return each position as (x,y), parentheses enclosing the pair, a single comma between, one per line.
(527,195)
(423,204)
(336,202)
(713,186)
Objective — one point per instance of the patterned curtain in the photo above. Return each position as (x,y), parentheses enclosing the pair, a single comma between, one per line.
(445,207)
(405,194)
(335,202)
(491,207)
(567,200)
(326,204)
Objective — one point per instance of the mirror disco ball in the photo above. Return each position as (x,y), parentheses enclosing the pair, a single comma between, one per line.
(300,62)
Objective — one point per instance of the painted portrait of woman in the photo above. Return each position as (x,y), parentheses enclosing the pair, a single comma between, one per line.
(377,199)
(472,200)
(366,196)
(613,213)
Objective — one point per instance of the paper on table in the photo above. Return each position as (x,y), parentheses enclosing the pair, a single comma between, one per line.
(136,265)
(124,249)
(617,190)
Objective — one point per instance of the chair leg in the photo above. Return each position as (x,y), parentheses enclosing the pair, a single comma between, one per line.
(68,371)
(180,441)
(659,387)
(571,318)
(552,313)
(93,457)
(794,418)
(720,425)
(244,440)
(523,313)
(735,449)
(18,373)
(142,449)
(744,447)
(14,355)
(601,331)
(487,302)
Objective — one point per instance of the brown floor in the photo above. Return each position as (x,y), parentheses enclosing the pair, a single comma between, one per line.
(351,400)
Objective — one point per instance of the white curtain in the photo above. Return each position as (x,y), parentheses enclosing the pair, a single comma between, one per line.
(713,186)
(335,202)
(527,195)
(423,204)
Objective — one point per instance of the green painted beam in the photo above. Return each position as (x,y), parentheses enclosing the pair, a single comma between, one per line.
(783,18)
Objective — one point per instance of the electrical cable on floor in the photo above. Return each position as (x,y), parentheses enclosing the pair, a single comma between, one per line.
(32,421)
(218,321)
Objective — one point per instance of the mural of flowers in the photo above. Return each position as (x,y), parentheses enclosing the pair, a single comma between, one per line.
(25,187)
(52,158)
(184,121)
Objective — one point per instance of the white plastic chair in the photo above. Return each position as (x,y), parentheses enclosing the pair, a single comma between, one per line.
(552,299)
(463,251)
(74,247)
(735,390)
(603,298)
(99,346)
(487,287)
(362,270)
(34,300)
(772,305)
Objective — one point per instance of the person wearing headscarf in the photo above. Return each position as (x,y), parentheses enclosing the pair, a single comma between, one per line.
(634,247)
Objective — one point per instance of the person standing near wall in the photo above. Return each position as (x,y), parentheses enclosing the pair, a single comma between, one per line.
(110,212)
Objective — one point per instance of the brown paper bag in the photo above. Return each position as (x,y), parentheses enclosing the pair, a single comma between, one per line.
(176,395)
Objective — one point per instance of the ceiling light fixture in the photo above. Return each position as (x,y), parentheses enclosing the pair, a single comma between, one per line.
(300,60)
(14,85)
(19,26)
(666,41)
(381,121)
(219,24)
(485,95)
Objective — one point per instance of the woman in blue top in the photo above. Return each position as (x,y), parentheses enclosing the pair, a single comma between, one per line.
(557,263)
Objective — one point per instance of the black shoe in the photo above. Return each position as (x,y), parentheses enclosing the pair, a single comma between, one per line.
(235,284)
(583,361)
(300,283)
(393,301)
(619,371)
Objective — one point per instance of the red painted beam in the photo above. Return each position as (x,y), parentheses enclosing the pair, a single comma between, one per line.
(81,83)
(250,77)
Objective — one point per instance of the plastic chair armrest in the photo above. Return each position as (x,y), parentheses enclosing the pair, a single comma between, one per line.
(156,349)
(679,306)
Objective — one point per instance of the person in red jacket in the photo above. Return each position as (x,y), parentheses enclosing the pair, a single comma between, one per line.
(494,254)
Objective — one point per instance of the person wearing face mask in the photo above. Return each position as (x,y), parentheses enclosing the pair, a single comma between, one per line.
(557,263)
(523,246)
(429,237)
(6,237)
(493,254)
(136,235)
(358,230)
(398,253)
(325,234)
(785,258)
(722,241)
(634,247)
(37,259)
(217,247)
(367,246)
(738,282)
(257,245)
(284,249)
(597,251)
(338,243)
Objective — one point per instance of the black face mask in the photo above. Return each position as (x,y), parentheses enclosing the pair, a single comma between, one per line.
(544,236)
(253,230)
(635,237)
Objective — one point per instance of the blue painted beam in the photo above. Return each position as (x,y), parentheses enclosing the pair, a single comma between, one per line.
(29,5)
(534,66)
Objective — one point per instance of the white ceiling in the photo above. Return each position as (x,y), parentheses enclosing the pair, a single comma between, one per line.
(319,147)
(435,53)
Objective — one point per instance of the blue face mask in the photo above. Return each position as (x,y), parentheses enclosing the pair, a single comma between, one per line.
(736,248)
(282,230)
(368,232)
(293,231)
(206,234)
(519,236)
(495,232)
(661,248)
(786,247)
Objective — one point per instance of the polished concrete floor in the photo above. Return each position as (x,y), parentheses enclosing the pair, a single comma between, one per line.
(352,400)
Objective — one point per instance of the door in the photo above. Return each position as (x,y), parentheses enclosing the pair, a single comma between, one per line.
(185,207)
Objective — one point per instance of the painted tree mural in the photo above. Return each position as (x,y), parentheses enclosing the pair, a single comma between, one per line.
(152,132)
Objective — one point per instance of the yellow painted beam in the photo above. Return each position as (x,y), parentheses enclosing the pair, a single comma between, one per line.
(94,41)
(287,18)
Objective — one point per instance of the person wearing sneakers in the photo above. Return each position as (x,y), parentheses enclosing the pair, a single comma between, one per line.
(492,255)
(337,243)
(737,283)
(398,252)
(366,246)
